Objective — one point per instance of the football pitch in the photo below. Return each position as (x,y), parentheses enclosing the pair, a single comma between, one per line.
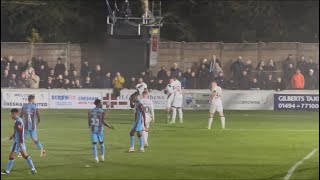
(255,145)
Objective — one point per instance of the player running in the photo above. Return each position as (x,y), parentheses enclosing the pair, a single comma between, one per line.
(31,118)
(169,91)
(96,120)
(149,112)
(19,144)
(216,104)
(141,86)
(177,100)
(139,122)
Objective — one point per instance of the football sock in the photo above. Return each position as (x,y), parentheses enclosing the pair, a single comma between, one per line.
(132,141)
(94,151)
(210,122)
(168,116)
(146,137)
(174,114)
(223,121)
(30,163)
(10,164)
(38,144)
(141,141)
(144,133)
(180,115)
(103,149)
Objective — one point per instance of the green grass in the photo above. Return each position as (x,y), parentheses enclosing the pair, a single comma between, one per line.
(255,145)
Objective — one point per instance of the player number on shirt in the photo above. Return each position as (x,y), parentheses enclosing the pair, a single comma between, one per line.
(146,109)
(95,121)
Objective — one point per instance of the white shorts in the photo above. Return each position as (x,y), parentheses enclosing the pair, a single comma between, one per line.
(169,100)
(148,120)
(216,106)
(177,101)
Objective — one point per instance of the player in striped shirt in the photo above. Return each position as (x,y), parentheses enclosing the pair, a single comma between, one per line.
(31,118)
(139,122)
(149,115)
(19,144)
(96,122)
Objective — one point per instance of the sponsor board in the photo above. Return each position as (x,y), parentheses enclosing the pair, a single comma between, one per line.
(16,99)
(73,100)
(306,102)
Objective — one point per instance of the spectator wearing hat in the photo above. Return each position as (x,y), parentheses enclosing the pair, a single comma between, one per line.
(297,80)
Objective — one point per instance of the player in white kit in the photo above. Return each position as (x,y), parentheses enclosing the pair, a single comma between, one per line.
(216,104)
(177,101)
(149,115)
(169,91)
(141,86)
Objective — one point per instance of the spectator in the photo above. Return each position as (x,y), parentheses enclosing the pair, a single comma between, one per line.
(74,76)
(193,82)
(13,81)
(279,85)
(107,82)
(33,80)
(44,63)
(66,84)
(203,75)
(244,81)
(311,80)
(217,70)
(268,83)
(51,84)
(36,64)
(15,70)
(311,64)
(43,75)
(231,85)
(87,84)
(286,62)
(160,85)
(183,80)
(59,81)
(5,78)
(59,68)
(21,82)
(118,83)
(213,65)
(175,70)
(52,75)
(254,84)
(261,66)
(187,74)
(72,68)
(11,63)
(77,84)
(3,64)
(220,80)
(132,83)
(236,69)
(302,65)
(297,80)
(97,77)
(85,69)
(152,84)
(66,75)
(248,67)
(28,68)
(166,80)
(271,66)
(145,77)
(162,73)
(289,73)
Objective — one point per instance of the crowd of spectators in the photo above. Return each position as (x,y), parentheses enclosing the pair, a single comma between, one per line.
(295,74)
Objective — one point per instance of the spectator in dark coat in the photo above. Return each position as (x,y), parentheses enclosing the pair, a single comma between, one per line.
(66,75)
(52,75)
(160,85)
(74,76)
(236,69)
(51,84)
(162,73)
(59,81)
(44,63)
(85,69)
(59,68)
(248,67)
(15,70)
(183,80)
(310,80)
(203,75)
(107,82)
(286,62)
(220,80)
(302,64)
(72,68)
(268,83)
(175,70)
(5,78)
(167,78)
(97,77)
(13,81)
(132,83)
(43,75)
(271,66)
(66,84)
(193,82)
(289,73)
(152,84)
(255,84)
(279,85)
(244,81)
(187,74)
(231,85)
(87,84)
(310,64)
(11,62)
(3,64)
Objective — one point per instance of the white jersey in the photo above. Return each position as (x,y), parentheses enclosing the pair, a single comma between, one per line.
(217,93)
(148,109)
(141,87)
(176,86)
(169,89)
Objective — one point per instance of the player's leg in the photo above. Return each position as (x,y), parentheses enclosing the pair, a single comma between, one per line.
(94,140)
(174,115)
(102,147)
(220,110)
(28,159)
(211,111)
(141,141)
(180,112)
(145,132)
(26,135)
(33,135)
(169,104)
(132,139)
(14,149)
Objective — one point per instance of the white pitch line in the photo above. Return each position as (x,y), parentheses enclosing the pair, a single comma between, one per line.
(293,168)
(5,139)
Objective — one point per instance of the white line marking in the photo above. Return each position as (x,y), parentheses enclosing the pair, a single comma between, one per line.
(293,168)
(5,139)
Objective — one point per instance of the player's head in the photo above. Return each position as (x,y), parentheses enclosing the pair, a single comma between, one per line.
(145,94)
(174,78)
(140,80)
(214,83)
(14,113)
(31,98)
(171,80)
(98,103)
(134,97)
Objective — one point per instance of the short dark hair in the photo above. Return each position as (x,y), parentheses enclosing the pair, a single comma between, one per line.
(30,97)
(97,102)
(14,110)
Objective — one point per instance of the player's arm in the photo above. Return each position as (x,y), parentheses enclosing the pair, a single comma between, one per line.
(22,112)
(38,115)
(18,127)
(89,119)
(141,108)
(104,121)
